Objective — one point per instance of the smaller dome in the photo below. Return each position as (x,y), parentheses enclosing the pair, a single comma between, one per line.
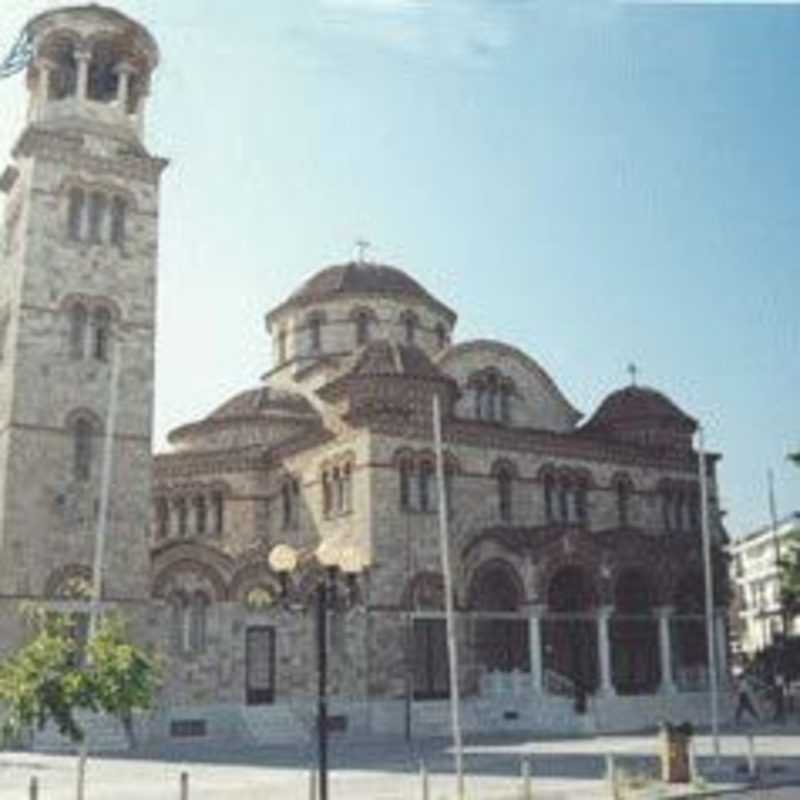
(359,278)
(253,402)
(638,408)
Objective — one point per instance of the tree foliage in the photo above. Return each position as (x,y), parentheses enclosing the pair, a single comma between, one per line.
(54,676)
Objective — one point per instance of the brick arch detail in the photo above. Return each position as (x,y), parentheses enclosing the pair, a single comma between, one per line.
(257,573)
(211,574)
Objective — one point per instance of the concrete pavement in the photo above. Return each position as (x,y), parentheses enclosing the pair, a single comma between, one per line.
(389,770)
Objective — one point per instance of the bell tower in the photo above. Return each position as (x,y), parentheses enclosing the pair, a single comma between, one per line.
(77,308)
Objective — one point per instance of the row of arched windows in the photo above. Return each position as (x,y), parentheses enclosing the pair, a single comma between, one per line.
(198,514)
(491,396)
(680,507)
(105,70)
(565,498)
(418,489)
(364,320)
(188,621)
(96,216)
(90,332)
(337,489)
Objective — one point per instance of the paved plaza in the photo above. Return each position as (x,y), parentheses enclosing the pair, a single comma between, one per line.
(389,770)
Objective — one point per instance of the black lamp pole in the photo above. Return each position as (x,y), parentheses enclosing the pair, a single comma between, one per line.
(322,687)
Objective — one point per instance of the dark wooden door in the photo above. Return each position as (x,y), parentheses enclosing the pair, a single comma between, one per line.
(260,664)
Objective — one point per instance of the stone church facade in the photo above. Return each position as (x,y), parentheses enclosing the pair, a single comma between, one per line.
(575,544)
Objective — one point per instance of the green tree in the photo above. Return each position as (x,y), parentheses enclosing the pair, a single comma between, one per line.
(54,677)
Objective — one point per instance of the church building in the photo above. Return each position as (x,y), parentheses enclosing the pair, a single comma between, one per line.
(575,543)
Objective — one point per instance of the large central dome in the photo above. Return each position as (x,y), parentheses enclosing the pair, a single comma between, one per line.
(359,278)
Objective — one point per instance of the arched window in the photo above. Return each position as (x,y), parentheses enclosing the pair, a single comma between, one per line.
(549,497)
(77,198)
(83,434)
(118,213)
(198,623)
(362,327)
(64,74)
(478,389)
(581,504)
(290,493)
(179,622)
(347,486)
(101,332)
(427,488)
(77,331)
(218,506)
(441,335)
(182,511)
(623,503)
(162,518)
(338,486)
(97,210)
(200,514)
(103,83)
(490,398)
(564,490)
(505,404)
(504,493)
(327,494)
(410,327)
(315,334)
(405,484)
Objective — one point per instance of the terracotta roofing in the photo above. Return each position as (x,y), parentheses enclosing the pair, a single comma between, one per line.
(255,401)
(383,358)
(636,405)
(359,278)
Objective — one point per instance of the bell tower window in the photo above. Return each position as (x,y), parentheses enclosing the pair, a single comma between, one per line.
(103,78)
(118,209)
(97,210)
(101,333)
(77,333)
(63,72)
(77,198)
(82,449)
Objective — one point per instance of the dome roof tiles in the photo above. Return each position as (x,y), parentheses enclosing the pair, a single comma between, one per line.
(359,278)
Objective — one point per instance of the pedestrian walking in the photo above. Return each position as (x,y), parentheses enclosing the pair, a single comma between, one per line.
(745,701)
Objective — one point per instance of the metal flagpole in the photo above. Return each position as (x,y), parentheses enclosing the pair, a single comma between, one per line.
(710,637)
(100,535)
(448,601)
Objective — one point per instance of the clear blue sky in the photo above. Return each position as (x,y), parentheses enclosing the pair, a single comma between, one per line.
(597,183)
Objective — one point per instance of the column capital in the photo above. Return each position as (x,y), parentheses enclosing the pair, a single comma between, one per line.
(604,612)
(82,54)
(536,609)
(125,68)
(664,611)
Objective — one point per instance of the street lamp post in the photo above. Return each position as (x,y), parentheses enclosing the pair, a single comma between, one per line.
(332,560)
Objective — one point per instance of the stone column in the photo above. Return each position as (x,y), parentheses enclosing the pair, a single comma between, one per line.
(124,73)
(665,649)
(535,647)
(604,650)
(83,57)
